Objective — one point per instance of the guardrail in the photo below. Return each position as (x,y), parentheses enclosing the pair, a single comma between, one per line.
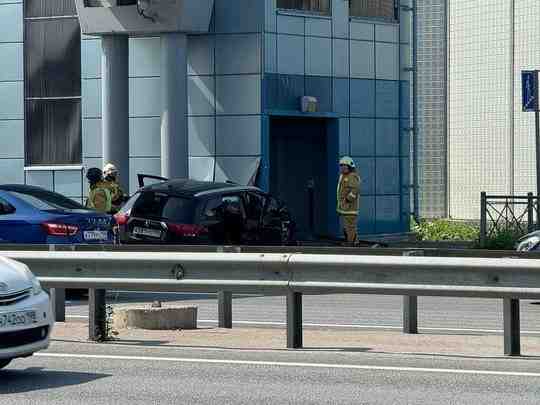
(292,275)
(431,251)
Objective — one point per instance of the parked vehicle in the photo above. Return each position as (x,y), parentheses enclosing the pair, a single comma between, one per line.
(529,242)
(26,316)
(34,215)
(195,212)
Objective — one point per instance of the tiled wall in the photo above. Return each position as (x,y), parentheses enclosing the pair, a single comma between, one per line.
(355,70)
(224,98)
(491,144)
(479,74)
(11,92)
(527,57)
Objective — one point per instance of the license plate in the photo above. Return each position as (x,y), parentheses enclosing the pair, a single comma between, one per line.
(152,233)
(22,318)
(96,235)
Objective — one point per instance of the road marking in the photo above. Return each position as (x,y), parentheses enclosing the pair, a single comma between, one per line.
(349,326)
(290,364)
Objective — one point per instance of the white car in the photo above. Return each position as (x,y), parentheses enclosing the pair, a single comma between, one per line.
(26,316)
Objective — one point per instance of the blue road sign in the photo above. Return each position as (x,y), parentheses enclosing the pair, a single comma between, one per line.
(529,90)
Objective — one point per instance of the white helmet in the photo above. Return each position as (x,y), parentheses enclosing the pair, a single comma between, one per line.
(347,161)
(109,169)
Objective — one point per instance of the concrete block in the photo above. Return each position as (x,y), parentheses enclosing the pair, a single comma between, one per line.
(164,318)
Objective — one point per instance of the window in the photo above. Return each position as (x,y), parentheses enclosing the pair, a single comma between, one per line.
(254,206)
(109,3)
(383,9)
(52,73)
(219,208)
(6,208)
(162,207)
(272,211)
(316,6)
(46,200)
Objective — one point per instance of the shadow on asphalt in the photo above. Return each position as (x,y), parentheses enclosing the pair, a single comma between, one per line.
(38,378)
(441,355)
(166,344)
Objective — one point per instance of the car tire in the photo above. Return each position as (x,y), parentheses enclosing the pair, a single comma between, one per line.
(4,363)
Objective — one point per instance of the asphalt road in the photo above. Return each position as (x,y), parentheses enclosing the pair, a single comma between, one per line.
(455,314)
(71,373)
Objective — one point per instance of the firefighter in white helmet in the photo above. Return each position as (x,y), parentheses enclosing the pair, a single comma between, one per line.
(110,175)
(348,198)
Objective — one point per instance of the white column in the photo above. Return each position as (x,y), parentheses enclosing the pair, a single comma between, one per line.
(115,104)
(174,115)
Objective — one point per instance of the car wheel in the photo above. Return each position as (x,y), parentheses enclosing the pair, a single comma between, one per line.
(4,362)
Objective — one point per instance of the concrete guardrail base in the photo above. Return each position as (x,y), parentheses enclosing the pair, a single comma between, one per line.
(167,318)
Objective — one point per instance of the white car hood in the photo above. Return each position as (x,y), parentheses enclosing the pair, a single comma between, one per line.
(13,276)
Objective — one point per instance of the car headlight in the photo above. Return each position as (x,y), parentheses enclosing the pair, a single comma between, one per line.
(36,285)
(528,244)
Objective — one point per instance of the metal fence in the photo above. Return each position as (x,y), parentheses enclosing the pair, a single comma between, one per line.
(291,275)
(516,215)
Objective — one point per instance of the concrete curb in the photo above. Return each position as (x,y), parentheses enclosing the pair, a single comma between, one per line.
(167,318)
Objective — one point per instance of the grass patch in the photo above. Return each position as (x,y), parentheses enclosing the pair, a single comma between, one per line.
(445,230)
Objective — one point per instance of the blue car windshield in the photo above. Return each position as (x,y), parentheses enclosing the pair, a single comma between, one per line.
(47,201)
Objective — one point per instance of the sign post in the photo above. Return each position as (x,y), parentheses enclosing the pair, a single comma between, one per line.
(529,87)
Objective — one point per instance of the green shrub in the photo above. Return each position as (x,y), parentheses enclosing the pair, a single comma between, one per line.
(445,230)
(504,239)
(449,230)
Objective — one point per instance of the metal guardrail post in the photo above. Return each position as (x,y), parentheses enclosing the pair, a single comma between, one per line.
(410,304)
(58,298)
(483,219)
(294,320)
(512,345)
(97,316)
(530,213)
(410,314)
(225,309)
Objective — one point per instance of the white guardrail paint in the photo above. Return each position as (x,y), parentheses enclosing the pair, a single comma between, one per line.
(294,274)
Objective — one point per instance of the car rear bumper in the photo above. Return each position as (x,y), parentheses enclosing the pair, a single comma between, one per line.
(24,341)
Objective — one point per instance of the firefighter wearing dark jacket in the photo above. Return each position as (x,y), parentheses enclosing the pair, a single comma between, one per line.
(348,198)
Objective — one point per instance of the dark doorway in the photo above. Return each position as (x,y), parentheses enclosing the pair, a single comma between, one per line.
(298,161)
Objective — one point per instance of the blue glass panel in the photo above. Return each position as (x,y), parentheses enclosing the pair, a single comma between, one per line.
(320,87)
(362,136)
(282,92)
(388,214)
(387,137)
(387,99)
(362,98)
(341,96)
(387,176)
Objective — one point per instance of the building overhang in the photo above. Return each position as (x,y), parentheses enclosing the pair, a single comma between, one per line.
(143,17)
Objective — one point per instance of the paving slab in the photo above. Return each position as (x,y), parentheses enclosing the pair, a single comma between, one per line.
(368,341)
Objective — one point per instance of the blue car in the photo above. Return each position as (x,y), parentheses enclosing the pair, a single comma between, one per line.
(37,216)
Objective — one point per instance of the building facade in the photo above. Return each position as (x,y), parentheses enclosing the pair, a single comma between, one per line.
(245,81)
(487,141)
